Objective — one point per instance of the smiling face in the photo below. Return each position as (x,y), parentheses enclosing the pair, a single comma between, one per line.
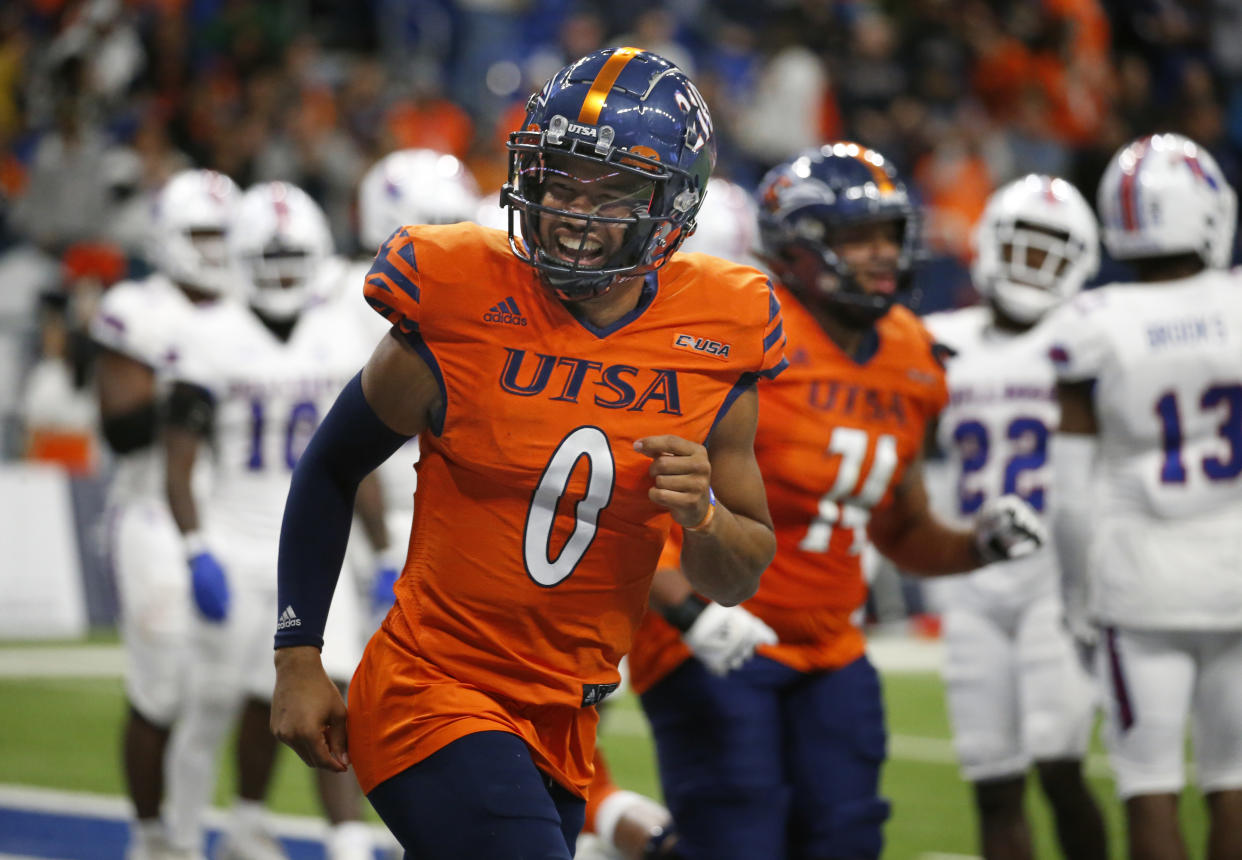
(586,195)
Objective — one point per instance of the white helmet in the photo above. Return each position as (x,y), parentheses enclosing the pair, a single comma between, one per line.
(413,186)
(1041,214)
(490,213)
(191,219)
(1164,195)
(278,242)
(727,224)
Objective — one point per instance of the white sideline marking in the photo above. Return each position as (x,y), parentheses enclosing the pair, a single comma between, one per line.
(632,723)
(118,808)
(894,654)
(941,751)
(905,654)
(69,661)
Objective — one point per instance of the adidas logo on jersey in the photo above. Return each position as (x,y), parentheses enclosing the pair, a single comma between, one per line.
(506,313)
(288,619)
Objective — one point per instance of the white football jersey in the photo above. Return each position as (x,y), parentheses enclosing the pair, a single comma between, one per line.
(139,319)
(270,395)
(995,431)
(1166,358)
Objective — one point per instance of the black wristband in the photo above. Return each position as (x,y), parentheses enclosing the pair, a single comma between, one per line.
(190,407)
(132,430)
(684,614)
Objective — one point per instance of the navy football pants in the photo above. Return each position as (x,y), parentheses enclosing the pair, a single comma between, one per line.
(481,796)
(768,762)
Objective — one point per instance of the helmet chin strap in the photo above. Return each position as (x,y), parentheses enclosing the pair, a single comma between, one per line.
(857,309)
(848,302)
(576,288)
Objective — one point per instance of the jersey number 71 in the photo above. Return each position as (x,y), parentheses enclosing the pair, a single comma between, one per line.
(841,507)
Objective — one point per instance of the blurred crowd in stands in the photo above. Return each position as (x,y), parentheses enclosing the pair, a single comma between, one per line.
(102,100)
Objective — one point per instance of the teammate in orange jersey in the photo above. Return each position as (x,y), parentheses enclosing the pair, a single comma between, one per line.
(576,392)
(779,755)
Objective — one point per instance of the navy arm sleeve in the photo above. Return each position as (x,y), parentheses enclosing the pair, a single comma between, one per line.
(347,446)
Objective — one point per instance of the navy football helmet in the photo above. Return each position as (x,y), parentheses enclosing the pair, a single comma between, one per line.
(807,202)
(631,122)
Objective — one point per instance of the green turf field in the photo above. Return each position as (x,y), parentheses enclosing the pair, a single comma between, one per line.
(64,733)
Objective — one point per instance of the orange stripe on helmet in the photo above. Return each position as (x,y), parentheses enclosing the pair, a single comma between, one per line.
(604,79)
(882,180)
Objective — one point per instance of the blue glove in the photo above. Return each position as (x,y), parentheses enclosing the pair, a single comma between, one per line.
(211,588)
(381,590)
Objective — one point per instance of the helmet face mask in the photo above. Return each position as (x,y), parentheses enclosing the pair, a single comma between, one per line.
(192,213)
(608,171)
(838,229)
(279,241)
(210,246)
(1036,245)
(604,209)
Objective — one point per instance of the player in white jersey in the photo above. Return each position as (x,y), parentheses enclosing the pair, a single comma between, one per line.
(133,327)
(254,379)
(1151,397)
(1017,693)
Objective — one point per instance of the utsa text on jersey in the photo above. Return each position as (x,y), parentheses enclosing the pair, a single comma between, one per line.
(622,382)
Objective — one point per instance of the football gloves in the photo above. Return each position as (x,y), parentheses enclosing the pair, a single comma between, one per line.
(210,586)
(725,637)
(1007,528)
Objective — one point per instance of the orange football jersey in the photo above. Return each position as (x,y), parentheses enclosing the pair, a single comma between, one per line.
(534,541)
(835,437)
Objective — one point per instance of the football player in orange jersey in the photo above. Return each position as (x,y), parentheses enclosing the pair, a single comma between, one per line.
(576,392)
(779,755)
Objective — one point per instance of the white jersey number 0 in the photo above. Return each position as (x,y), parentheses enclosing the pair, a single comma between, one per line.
(589,442)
